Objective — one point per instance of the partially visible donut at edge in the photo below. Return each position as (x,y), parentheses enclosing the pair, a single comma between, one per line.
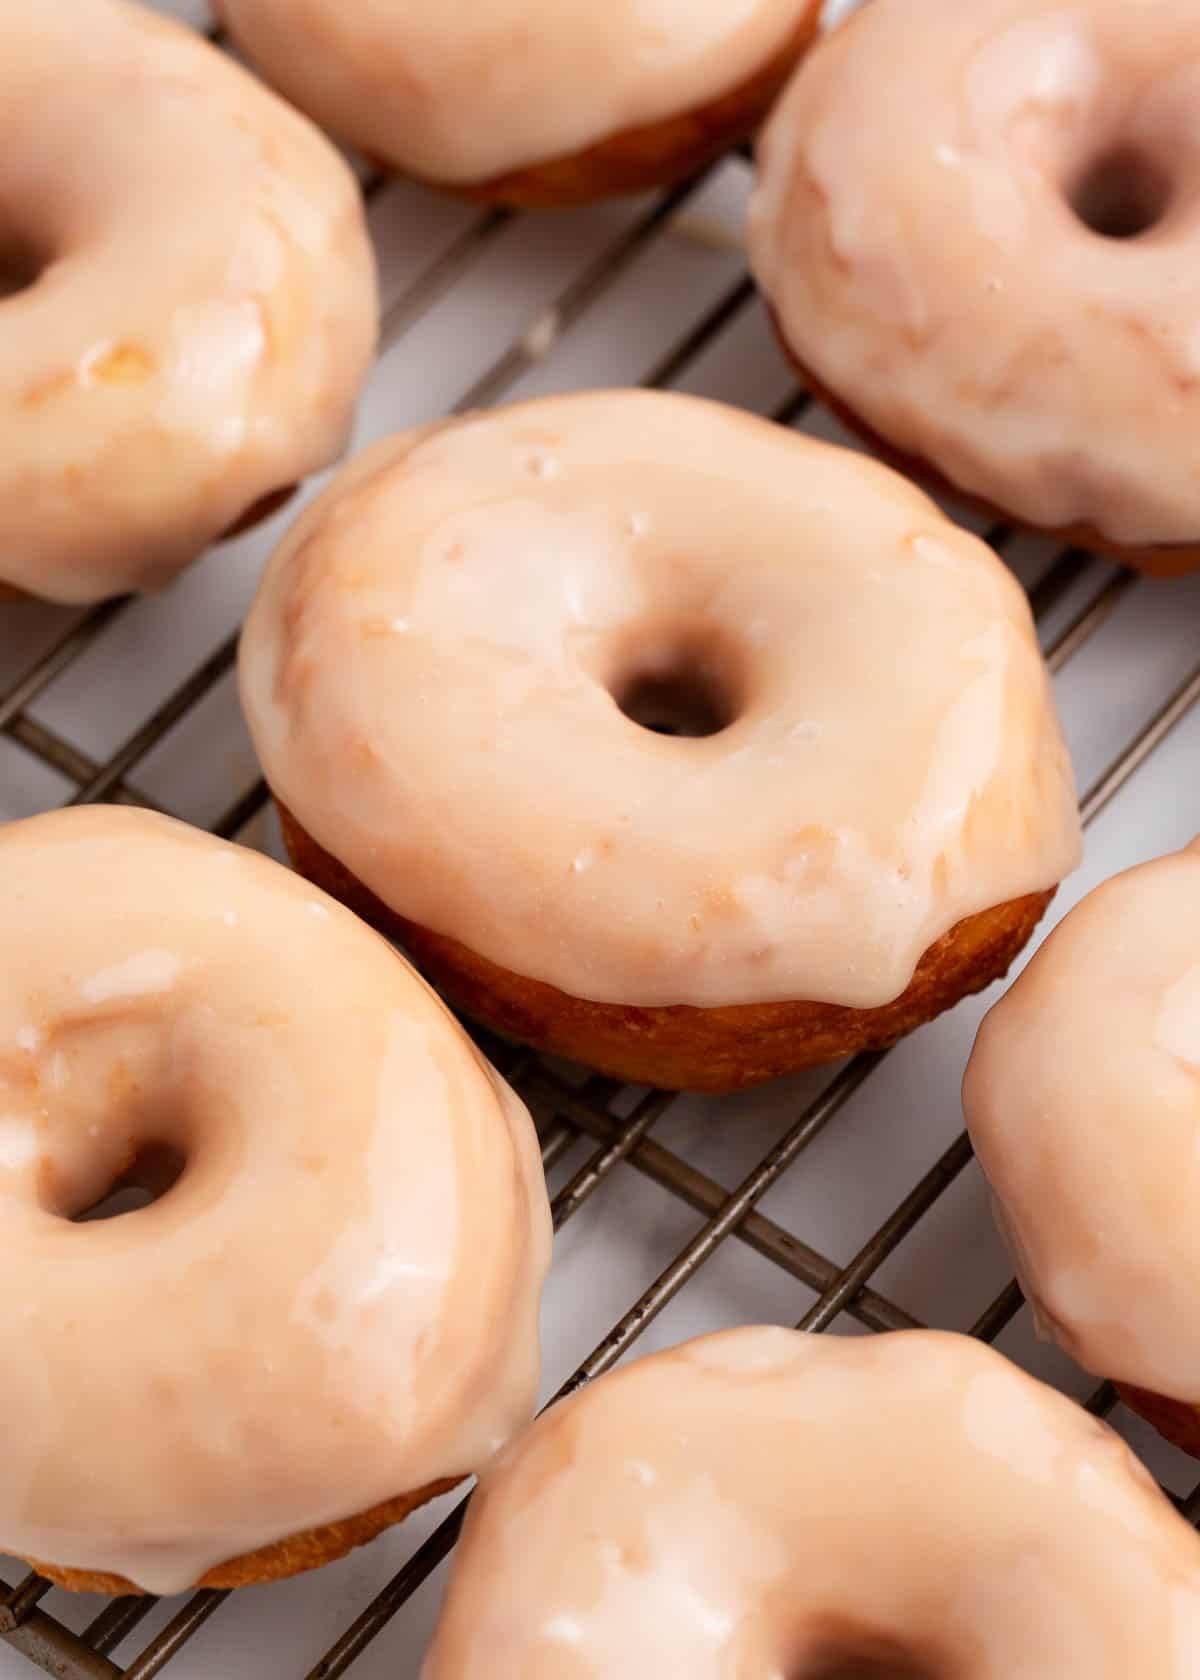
(1082,1097)
(976,227)
(763,1504)
(460,666)
(532,103)
(188,300)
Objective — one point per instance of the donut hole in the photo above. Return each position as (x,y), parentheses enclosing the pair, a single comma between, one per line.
(845,1665)
(154,1170)
(21,265)
(1122,194)
(844,1651)
(686,687)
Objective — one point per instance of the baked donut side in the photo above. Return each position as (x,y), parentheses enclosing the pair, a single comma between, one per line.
(678,1047)
(311,1549)
(656,154)
(1175,1420)
(1082,1097)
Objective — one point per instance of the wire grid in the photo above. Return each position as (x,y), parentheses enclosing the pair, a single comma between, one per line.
(596,1112)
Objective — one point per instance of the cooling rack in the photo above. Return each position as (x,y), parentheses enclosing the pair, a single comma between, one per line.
(845,1199)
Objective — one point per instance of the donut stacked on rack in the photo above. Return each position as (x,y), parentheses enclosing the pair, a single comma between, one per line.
(986,265)
(327,1314)
(458,674)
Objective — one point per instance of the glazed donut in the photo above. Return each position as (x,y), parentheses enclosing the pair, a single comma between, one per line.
(986,261)
(458,665)
(763,1503)
(1083,1101)
(532,102)
(191,303)
(329,1314)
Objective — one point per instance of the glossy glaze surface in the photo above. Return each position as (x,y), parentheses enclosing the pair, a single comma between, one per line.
(761,1504)
(433,666)
(334,1303)
(196,307)
(1083,1099)
(463,92)
(953,290)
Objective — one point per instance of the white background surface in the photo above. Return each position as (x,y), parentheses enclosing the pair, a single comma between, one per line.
(847,1182)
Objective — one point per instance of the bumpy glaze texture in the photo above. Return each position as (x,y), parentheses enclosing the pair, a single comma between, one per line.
(461,96)
(1083,1101)
(336,1300)
(762,1503)
(433,665)
(978,226)
(192,302)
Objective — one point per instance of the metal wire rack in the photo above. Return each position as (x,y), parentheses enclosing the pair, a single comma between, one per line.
(693,324)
